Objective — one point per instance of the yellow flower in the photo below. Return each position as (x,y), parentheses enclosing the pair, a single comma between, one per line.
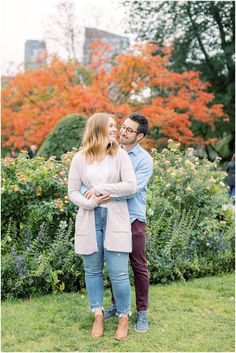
(62,286)
(15,188)
(38,191)
(23,180)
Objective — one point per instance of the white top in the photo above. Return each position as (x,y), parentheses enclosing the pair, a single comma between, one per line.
(98,172)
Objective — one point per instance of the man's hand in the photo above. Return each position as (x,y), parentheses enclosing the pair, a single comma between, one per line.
(102,199)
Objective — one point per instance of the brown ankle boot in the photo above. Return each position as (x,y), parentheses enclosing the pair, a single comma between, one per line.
(122,329)
(98,326)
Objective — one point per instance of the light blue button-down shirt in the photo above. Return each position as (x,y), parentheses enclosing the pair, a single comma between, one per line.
(143,167)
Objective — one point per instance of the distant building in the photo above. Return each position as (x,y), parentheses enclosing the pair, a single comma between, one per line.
(119,44)
(35,54)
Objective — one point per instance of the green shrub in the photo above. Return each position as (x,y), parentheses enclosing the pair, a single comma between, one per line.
(34,191)
(67,134)
(38,227)
(190,226)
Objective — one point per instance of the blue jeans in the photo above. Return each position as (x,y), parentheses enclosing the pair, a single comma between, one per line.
(117,266)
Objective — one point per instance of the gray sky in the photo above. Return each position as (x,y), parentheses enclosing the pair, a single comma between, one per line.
(27,19)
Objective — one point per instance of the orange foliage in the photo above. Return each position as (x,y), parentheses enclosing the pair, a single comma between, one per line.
(35,101)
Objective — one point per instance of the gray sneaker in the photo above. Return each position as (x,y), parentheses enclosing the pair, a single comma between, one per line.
(110,312)
(142,322)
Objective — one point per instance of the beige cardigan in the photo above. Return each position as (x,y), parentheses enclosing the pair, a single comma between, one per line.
(121,182)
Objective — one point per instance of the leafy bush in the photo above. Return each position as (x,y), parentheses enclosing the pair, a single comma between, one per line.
(35,208)
(42,264)
(67,134)
(190,227)
(34,191)
(190,231)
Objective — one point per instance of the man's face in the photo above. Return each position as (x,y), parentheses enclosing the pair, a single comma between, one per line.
(129,132)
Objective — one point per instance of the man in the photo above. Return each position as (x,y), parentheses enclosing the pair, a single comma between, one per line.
(231,178)
(133,130)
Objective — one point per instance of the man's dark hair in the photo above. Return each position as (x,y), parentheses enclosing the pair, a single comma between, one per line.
(141,120)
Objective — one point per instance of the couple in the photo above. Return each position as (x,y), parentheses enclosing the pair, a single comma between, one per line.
(108,182)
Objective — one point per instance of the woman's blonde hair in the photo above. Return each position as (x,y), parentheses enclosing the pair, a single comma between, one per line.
(96,135)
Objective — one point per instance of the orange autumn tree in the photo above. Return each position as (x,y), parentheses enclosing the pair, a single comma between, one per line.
(35,101)
(173,102)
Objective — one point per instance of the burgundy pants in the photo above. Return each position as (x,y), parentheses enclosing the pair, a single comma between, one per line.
(139,265)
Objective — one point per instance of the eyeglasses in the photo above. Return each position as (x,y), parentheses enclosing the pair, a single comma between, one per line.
(128,130)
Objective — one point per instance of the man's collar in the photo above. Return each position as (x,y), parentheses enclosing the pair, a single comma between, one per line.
(135,149)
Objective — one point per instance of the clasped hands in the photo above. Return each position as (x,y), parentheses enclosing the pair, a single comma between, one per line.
(91,193)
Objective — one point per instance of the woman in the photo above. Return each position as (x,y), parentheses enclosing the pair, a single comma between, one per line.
(102,229)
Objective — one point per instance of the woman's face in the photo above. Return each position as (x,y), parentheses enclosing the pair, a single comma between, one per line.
(112,130)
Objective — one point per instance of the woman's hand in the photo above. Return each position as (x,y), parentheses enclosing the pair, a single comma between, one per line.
(90,193)
(102,199)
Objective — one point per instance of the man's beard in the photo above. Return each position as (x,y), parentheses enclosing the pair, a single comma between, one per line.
(123,141)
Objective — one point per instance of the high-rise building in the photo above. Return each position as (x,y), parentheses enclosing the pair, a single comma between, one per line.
(119,44)
(35,54)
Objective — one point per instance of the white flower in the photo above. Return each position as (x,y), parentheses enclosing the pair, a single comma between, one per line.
(150,212)
(52,158)
(212,180)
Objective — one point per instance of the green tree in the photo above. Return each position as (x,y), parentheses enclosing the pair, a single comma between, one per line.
(203,38)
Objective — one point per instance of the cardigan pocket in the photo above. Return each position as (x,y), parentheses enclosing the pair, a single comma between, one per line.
(81,228)
(119,224)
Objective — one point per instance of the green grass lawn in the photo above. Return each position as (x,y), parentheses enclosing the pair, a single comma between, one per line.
(194,316)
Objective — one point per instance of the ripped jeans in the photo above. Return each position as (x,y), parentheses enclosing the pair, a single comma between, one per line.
(117,266)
